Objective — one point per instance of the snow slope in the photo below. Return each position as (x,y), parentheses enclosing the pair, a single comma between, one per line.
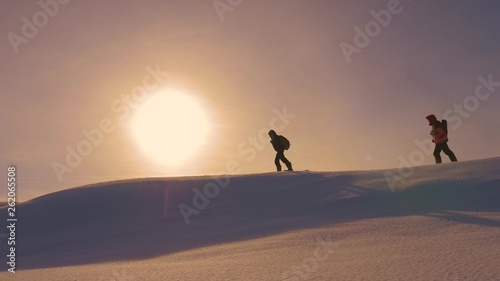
(442,222)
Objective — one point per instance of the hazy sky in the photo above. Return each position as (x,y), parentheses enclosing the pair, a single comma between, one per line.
(363,106)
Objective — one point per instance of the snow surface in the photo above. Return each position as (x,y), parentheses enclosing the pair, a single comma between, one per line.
(442,222)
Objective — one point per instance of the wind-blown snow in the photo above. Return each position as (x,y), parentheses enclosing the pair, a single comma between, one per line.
(441,223)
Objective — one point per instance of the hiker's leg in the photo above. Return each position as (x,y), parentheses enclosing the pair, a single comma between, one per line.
(448,152)
(283,158)
(437,151)
(277,162)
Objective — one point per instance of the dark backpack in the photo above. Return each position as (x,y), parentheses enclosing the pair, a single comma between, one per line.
(445,126)
(285,143)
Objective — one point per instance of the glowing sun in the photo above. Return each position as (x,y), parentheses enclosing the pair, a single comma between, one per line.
(170,127)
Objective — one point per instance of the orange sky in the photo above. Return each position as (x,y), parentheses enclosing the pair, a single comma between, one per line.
(361,112)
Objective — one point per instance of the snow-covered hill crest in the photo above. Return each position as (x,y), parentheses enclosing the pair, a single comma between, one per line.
(150,218)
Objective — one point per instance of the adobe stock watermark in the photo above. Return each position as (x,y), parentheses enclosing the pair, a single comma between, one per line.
(117,276)
(223,6)
(122,107)
(455,115)
(363,37)
(248,148)
(31,26)
(309,265)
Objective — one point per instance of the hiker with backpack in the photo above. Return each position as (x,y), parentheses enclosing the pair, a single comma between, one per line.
(439,134)
(280,144)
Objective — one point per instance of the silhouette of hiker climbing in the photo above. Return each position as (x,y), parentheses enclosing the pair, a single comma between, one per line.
(439,134)
(280,144)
